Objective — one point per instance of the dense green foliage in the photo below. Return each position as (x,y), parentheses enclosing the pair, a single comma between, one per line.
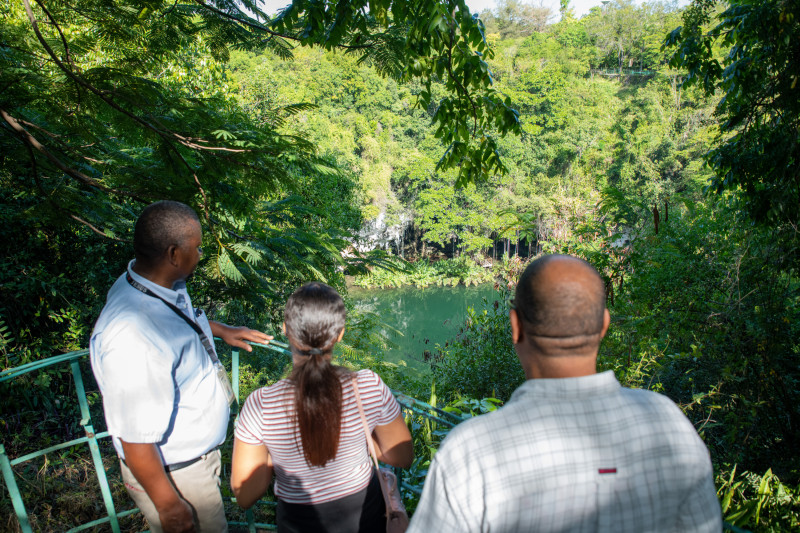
(106,107)
(296,165)
(447,272)
(371,127)
(758,148)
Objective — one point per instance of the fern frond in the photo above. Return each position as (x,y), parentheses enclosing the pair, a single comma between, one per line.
(226,267)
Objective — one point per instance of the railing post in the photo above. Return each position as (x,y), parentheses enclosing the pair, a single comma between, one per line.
(100,469)
(251,521)
(13,490)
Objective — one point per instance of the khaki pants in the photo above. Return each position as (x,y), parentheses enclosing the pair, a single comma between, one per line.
(198,484)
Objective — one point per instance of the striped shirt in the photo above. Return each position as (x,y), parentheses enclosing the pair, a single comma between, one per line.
(268,417)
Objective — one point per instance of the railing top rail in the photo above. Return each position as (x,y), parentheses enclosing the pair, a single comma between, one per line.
(17,371)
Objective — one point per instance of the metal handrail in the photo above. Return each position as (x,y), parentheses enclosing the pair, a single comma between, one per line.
(91,438)
(408,403)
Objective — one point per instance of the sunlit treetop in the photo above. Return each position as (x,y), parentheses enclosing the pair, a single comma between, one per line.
(426,40)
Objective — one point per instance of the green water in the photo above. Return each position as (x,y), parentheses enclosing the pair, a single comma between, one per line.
(423,318)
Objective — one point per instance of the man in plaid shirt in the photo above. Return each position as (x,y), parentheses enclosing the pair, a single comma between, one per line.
(571,450)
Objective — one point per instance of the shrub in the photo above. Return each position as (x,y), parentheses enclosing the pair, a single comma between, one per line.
(480,362)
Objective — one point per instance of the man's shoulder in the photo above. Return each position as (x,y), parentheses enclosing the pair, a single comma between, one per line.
(127,307)
(647,411)
(651,400)
(660,415)
(129,318)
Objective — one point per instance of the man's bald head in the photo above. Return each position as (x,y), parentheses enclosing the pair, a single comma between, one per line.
(161,225)
(560,296)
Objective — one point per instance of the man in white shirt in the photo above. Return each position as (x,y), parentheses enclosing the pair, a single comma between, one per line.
(165,405)
(571,450)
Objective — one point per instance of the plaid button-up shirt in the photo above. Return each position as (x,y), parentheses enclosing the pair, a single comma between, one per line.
(579,454)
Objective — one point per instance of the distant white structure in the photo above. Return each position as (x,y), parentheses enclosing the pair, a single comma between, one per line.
(376,234)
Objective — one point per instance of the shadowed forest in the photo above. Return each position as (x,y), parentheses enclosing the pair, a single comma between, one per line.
(416,144)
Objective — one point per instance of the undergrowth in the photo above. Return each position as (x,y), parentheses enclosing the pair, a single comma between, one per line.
(462,270)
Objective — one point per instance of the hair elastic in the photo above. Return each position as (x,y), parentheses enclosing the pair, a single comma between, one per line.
(314,351)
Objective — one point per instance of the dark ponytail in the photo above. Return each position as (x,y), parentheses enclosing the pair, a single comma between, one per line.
(314,319)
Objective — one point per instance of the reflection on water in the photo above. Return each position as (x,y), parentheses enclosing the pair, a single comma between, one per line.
(423,317)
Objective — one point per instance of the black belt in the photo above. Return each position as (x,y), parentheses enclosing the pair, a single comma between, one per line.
(183,464)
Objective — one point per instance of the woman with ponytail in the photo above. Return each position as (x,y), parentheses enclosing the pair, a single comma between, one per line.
(306,430)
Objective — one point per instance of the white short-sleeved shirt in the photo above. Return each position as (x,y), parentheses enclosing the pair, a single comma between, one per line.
(579,455)
(158,382)
(268,418)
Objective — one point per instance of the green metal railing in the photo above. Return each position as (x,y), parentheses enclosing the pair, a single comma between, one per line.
(91,438)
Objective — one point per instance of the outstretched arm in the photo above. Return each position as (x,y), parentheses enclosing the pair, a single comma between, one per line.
(251,472)
(393,443)
(236,336)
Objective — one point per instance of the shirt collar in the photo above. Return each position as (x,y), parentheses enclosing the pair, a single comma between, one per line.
(177,295)
(602,384)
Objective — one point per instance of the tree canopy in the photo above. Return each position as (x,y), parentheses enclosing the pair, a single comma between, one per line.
(126,102)
(757,149)
(107,106)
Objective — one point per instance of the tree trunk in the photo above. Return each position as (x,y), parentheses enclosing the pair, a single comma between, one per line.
(656,219)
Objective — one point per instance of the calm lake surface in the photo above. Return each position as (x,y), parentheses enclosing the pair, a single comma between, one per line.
(422,317)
